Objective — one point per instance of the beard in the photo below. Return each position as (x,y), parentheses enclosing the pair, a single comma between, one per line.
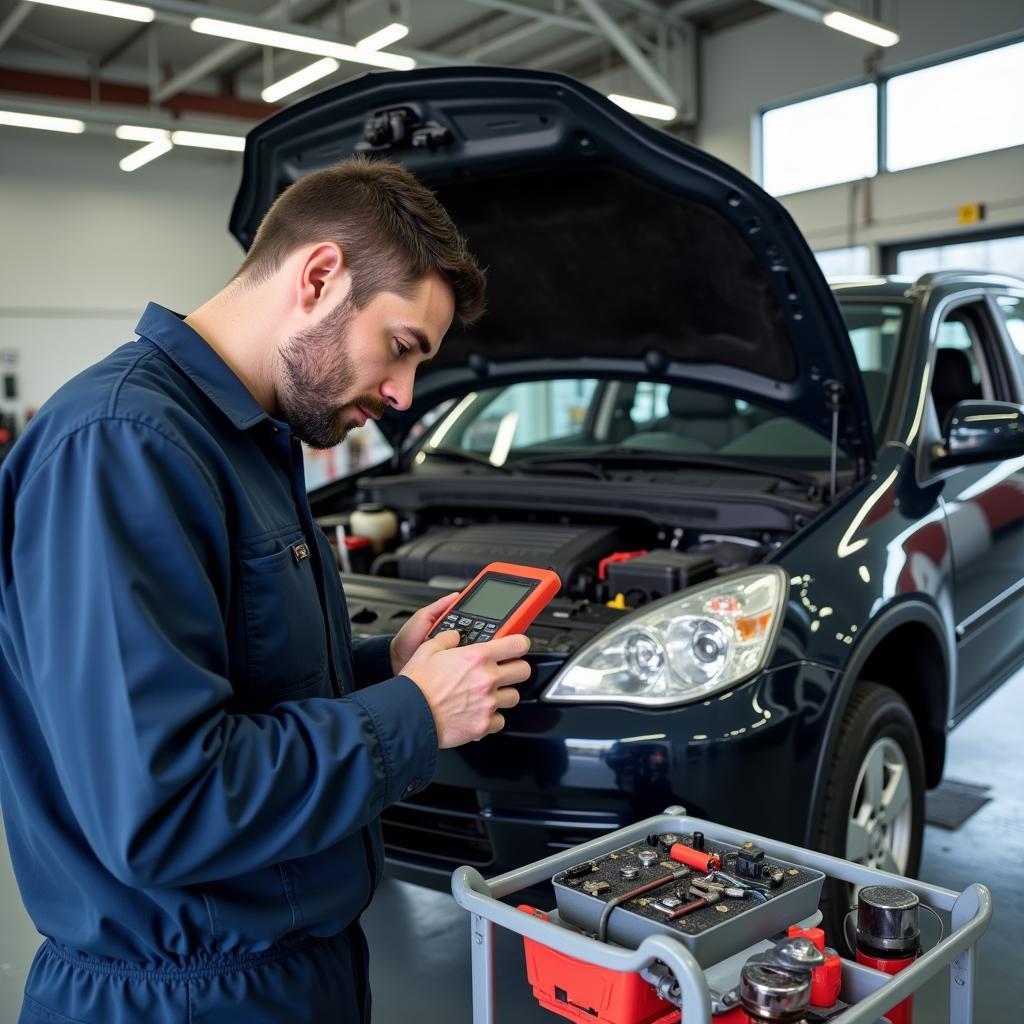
(316,368)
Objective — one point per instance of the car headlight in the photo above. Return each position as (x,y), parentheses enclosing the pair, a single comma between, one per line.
(682,648)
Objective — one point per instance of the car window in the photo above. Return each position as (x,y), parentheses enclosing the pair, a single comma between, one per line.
(875,329)
(960,371)
(1012,309)
(529,415)
(363,447)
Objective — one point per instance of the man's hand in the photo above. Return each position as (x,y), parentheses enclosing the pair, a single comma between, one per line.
(467,688)
(415,631)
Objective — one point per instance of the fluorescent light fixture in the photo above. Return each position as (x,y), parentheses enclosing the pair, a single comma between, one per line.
(299,43)
(133,12)
(305,76)
(384,37)
(204,140)
(867,30)
(133,161)
(50,124)
(139,133)
(645,108)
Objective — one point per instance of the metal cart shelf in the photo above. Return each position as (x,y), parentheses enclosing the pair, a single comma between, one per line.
(869,992)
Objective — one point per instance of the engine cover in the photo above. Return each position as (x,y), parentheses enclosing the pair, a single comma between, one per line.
(461,552)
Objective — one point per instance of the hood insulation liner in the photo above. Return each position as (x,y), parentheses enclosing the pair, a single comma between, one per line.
(589,262)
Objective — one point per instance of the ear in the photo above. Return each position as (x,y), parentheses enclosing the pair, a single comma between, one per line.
(322,273)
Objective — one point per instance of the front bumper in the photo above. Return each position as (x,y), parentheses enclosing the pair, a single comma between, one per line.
(561,774)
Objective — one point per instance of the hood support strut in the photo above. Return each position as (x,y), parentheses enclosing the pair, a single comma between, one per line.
(835,397)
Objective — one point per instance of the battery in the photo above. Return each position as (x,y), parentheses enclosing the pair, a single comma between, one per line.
(657,574)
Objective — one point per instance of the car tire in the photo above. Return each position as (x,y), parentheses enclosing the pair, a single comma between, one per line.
(873,812)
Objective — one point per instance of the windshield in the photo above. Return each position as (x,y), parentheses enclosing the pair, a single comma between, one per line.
(577,416)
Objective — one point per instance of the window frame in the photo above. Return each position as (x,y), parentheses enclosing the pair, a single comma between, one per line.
(890,251)
(881,80)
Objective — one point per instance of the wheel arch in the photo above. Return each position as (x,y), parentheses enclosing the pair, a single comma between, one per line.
(907,648)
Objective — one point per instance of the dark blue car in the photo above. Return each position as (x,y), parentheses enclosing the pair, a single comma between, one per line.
(788,518)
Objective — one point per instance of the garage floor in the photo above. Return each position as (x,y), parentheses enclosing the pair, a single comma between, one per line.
(421,964)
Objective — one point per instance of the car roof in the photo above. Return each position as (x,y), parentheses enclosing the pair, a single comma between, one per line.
(894,286)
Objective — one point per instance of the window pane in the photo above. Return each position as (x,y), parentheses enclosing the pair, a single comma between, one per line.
(999,255)
(362,447)
(964,106)
(848,262)
(1012,309)
(875,332)
(820,142)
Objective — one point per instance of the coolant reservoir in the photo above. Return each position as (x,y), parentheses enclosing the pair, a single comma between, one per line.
(378,523)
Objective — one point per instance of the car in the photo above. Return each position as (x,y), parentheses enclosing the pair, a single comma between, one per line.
(787,516)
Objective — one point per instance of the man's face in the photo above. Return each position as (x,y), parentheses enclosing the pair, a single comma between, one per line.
(355,364)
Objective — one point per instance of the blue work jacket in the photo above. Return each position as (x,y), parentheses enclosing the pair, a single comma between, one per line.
(192,760)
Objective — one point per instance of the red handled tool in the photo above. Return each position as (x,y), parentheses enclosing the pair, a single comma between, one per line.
(699,860)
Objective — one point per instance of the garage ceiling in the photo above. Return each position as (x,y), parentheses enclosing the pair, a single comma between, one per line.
(71,63)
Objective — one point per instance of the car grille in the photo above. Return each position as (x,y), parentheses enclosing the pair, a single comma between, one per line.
(442,824)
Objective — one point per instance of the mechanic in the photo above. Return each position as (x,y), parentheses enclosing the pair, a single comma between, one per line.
(193,752)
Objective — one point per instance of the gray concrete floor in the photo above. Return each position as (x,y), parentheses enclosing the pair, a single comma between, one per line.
(419,939)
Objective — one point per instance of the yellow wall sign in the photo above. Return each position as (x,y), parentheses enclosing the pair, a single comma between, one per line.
(970,213)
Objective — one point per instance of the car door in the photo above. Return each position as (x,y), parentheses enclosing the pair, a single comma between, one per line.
(984,506)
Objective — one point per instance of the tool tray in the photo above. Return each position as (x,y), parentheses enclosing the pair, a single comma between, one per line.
(710,933)
(700,988)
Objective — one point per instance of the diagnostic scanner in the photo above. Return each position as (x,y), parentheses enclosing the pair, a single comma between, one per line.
(503,599)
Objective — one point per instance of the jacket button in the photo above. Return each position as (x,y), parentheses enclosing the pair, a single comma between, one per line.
(413,787)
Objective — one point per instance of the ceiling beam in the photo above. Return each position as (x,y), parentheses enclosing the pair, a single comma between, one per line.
(108,94)
(505,39)
(226,52)
(560,56)
(13,21)
(688,8)
(104,120)
(548,17)
(629,50)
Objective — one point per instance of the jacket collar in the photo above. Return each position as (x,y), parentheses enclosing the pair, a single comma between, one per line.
(198,360)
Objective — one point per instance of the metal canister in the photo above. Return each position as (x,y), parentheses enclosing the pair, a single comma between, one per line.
(773,994)
(889,936)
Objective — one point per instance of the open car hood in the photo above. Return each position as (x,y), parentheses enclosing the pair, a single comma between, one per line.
(611,248)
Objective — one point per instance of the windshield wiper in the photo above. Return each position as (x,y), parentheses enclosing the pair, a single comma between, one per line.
(678,459)
(554,464)
(459,455)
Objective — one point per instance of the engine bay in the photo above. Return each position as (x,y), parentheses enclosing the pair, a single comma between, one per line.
(610,559)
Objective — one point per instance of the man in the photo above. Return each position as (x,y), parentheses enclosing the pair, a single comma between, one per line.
(193,753)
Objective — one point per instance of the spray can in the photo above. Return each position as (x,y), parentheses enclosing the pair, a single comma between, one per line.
(889,936)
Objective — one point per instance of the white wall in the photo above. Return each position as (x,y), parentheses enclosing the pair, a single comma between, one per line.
(779,57)
(84,247)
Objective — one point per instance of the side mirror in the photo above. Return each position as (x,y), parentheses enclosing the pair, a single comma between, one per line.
(980,432)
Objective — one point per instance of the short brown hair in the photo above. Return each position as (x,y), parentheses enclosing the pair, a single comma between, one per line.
(391,228)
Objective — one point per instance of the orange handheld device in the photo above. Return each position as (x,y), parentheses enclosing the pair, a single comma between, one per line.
(503,599)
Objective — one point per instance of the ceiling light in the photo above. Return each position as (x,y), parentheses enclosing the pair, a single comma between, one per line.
(133,161)
(305,76)
(204,140)
(645,108)
(138,133)
(384,37)
(299,43)
(861,28)
(50,124)
(133,12)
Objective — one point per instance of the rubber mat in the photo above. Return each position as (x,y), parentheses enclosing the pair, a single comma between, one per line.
(951,803)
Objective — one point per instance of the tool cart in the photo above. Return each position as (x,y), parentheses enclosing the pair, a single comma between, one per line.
(734,939)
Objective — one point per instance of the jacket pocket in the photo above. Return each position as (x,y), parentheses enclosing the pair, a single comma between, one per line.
(286,642)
